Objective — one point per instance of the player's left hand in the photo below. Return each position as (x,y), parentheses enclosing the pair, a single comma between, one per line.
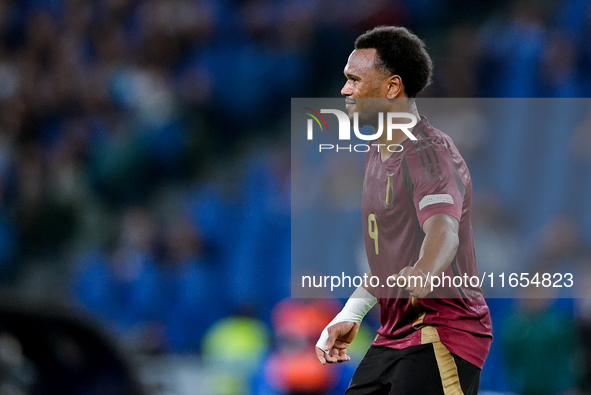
(413,285)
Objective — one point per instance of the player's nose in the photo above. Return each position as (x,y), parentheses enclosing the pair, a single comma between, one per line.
(347,89)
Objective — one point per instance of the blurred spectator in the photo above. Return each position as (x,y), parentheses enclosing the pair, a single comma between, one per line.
(513,48)
(121,288)
(559,250)
(232,349)
(459,74)
(187,303)
(497,245)
(539,343)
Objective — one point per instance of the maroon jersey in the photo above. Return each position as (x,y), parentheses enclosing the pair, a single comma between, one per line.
(428,177)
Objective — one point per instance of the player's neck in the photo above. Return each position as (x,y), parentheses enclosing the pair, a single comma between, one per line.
(398,136)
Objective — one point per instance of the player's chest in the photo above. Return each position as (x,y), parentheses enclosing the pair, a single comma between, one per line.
(384,190)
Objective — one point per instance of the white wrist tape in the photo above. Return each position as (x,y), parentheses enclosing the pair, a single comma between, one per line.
(359,303)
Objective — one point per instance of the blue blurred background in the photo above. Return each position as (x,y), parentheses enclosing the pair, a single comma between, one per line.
(145,178)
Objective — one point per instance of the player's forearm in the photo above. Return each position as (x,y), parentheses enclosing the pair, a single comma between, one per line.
(439,246)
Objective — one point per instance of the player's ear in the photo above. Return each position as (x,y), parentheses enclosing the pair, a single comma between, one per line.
(395,87)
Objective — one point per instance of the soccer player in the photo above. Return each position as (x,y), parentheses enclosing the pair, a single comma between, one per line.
(416,209)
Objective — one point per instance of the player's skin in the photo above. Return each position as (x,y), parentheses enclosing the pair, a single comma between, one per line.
(441,230)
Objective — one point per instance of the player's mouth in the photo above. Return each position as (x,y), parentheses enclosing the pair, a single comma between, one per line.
(349,103)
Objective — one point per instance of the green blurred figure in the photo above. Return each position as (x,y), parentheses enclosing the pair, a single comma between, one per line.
(539,344)
(232,349)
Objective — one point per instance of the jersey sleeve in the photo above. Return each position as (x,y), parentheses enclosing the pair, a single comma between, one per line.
(435,184)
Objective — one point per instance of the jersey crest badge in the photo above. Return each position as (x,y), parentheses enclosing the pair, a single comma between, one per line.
(390,190)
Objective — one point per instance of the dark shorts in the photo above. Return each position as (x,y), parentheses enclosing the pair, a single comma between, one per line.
(428,369)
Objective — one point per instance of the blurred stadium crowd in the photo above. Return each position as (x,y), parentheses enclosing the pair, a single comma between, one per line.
(145,171)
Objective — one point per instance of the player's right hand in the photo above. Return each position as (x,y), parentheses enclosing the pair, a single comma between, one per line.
(340,336)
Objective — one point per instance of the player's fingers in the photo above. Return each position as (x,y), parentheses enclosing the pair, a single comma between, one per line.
(320,355)
(332,354)
(331,357)
(411,288)
(338,355)
(343,357)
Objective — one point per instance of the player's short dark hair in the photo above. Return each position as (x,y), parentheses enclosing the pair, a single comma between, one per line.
(401,52)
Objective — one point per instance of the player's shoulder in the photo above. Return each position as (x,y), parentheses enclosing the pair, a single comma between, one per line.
(426,133)
(429,140)
(432,154)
